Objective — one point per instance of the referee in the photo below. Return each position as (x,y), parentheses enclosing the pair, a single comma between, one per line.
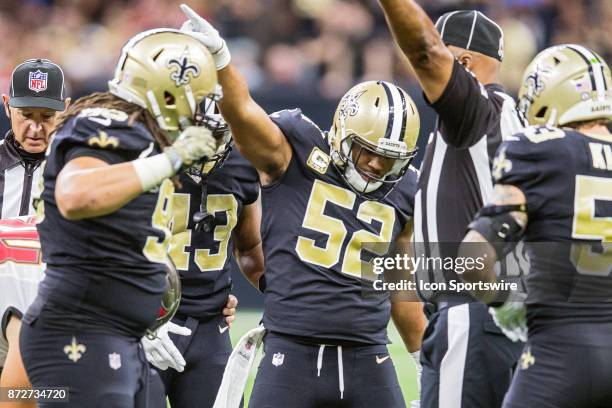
(467,361)
(36,95)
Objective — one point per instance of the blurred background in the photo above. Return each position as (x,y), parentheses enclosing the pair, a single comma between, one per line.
(294,53)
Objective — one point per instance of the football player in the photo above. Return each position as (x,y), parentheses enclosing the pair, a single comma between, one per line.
(554,190)
(105,211)
(216,214)
(323,196)
(21,269)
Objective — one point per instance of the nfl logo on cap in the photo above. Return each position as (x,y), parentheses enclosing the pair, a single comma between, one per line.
(37,83)
(37,80)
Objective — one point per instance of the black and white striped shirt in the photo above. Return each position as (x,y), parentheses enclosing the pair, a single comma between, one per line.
(20,174)
(455,177)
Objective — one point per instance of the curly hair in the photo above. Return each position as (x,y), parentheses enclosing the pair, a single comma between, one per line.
(108,100)
(136,114)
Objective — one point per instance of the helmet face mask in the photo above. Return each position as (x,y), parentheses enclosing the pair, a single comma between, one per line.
(566,84)
(378,118)
(222,134)
(169,73)
(363,182)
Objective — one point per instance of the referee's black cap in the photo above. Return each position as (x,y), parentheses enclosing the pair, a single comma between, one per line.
(472,30)
(38,83)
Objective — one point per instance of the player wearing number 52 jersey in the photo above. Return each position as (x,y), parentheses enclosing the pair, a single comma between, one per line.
(105,212)
(316,218)
(323,196)
(554,189)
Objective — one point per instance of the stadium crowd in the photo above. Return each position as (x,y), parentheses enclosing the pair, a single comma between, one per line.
(173,152)
(280,44)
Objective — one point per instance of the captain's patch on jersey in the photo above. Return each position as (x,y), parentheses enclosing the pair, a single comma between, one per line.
(318,160)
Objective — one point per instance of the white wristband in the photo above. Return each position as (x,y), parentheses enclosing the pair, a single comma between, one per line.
(222,56)
(153,170)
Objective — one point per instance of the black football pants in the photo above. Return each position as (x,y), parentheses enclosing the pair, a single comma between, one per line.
(99,370)
(566,366)
(298,375)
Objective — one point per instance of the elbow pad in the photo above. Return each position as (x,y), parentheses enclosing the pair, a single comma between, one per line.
(499,228)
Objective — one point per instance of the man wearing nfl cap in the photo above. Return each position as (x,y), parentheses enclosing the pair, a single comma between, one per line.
(467,361)
(37,93)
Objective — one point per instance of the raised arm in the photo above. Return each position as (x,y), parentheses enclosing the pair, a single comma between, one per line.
(258,138)
(418,38)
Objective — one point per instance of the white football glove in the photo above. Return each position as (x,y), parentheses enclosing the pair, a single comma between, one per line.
(193,144)
(511,317)
(161,351)
(201,30)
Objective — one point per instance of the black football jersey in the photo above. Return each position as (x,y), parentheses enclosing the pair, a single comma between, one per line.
(203,259)
(113,266)
(566,177)
(313,229)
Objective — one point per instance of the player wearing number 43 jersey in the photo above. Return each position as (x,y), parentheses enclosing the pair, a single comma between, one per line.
(105,213)
(323,196)
(554,189)
(228,192)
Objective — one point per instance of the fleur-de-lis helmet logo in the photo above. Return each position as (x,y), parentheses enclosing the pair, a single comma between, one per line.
(183,70)
(350,104)
(535,85)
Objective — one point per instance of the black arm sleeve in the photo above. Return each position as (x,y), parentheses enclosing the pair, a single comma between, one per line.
(108,156)
(467,111)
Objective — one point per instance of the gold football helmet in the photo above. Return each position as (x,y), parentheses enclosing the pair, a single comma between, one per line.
(564,84)
(379,117)
(170,299)
(169,73)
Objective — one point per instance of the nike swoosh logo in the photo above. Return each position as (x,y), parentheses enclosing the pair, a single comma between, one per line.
(102,121)
(223,329)
(380,360)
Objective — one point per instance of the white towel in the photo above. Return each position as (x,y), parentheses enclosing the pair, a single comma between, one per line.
(237,369)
